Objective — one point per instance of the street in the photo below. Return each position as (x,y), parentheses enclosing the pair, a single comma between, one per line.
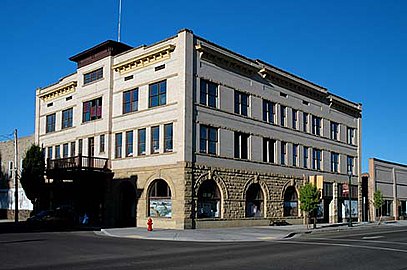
(363,248)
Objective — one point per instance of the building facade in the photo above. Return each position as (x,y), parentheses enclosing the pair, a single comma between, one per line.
(7,184)
(199,136)
(391,179)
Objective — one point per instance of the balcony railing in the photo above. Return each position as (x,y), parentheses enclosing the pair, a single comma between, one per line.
(79,163)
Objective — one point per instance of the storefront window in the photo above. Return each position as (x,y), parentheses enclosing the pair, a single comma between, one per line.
(160,204)
(290,202)
(209,200)
(254,201)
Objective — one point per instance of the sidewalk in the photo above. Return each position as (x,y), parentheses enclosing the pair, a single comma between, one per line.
(227,234)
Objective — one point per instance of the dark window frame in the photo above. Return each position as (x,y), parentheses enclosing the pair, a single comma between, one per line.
(208,140)
(67,118)
(208,94)
(92,110)
(93,76)
(160,94)
(130,101)
(50,123)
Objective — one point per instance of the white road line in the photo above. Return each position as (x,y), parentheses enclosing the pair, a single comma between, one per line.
(345,245)
(373,233)
(359,240)
(372,237)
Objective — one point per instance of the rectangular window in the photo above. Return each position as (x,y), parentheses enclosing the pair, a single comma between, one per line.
(157,94)
(283,156)
(50,125)
(316,125)
(65,152)
(268,111)
(92,110)
(91,147)
(295,119)
(155,139)
(208,142)
(168,138)
(305,117)
(283,116)
(129,143)
(269,150)
(73,146)
(130,101)
(295,155)
(316,159)
(102,143)
(67,118)
(241,143)
(351,136)
(118,145)
(57,151)
(49,152)
(141,142)
(93,76)
(306,157)
(350,164)
(208,93)
(334,162)
(80,147)
(334,131)
(241,103)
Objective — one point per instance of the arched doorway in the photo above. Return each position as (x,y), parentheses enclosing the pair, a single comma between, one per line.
(127,206)
(209,200)
(254,201)
(290,202)
(159,199)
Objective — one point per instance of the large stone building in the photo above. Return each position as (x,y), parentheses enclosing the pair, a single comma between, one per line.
(7,184)
(391,179)
(196,136)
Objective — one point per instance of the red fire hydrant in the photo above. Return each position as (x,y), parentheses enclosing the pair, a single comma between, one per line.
(149,224)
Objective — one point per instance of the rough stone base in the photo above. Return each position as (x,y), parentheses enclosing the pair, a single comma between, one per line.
(23,215)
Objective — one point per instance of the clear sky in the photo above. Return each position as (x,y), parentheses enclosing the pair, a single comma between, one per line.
(356,49)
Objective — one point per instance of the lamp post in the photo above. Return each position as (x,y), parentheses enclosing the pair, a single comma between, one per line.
(350,199)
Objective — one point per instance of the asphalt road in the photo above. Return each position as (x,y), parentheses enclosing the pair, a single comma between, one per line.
(369,248)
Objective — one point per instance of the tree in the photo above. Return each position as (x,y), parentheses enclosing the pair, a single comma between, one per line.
(309,200)
(32,175)
(378,202)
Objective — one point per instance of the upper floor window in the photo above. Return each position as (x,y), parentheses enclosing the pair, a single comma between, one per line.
(65,148)
(57,151)
(155,139)
(208,140)
(334,131)
(168,138)
(316,159)
(283,156)
(92,110)
(141,143)
(208,93)
(50,125)
(334,162)
(306,157)
(93,76)
(269,113)
(80,146)
(241,145)
(102,143)
(118,145)
(129,143)
(269,150)
(283,116)
(241,103)
(351,136)
(73,146)
(350,164)
(67,118)
(130,101)
(305,117)
(295,155)
(316,125)
(157,94)
(49,152)
(295,119)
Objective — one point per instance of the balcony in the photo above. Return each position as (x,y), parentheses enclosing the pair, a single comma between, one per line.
(71,167)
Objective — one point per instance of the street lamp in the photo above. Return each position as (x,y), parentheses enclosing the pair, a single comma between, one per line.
(349,194)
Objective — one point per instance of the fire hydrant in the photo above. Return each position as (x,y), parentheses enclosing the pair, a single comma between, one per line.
(149,224)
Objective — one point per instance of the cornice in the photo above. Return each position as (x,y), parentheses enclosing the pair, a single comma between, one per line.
(226,61)
(59,91)
(145,59)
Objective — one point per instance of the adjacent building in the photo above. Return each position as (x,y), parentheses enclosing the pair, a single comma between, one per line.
(7,185)
(195,136)
(391,179)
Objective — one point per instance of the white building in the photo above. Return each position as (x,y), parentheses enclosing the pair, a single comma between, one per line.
(199,136)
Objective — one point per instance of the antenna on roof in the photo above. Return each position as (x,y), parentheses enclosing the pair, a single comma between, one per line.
(120,16)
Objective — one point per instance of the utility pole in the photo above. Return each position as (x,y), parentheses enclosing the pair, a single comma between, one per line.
(15,176)
(120,17)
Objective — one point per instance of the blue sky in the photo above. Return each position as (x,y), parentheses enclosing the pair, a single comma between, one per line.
(356,49)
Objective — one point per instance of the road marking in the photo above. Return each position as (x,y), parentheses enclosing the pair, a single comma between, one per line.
(372,237)
(373,233)
(345,245)
(358,240)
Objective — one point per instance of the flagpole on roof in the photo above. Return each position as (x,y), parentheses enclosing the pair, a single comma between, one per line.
(120,15)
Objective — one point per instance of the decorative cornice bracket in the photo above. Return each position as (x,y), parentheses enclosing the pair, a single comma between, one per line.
(59,91)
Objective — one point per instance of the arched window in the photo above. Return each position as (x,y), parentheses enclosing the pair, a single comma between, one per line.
(254,201)
(208,200)
(290,202)
(159,198)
